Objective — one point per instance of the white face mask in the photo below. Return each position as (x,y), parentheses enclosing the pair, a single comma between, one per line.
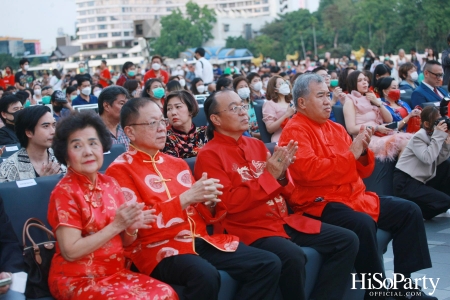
(156,66)
(257,86)
(78,92)
(37,92)
(201,89)
(265,84)
(284,89)
(86,91)
(97,93)
(244,93)
(414,76)
(182,82)
(26,67)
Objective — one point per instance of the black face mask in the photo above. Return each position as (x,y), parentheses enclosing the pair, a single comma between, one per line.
(57,109)
(14,114)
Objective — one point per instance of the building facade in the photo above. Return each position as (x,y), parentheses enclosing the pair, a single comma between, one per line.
(12,45)
(109,23)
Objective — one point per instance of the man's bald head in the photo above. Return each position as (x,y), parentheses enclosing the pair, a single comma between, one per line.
(130,110)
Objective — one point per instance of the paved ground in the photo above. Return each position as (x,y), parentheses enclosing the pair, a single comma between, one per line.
(438,235)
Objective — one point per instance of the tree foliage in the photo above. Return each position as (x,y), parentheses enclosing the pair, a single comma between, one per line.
(8,60)
(179,32)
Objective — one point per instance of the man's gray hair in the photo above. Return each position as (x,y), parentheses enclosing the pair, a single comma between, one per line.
(301,85)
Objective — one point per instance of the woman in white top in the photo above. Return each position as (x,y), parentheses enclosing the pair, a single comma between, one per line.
(56,80)
(423,170)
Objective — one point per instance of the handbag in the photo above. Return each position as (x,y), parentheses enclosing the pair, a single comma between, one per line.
(37,259)
(414,122)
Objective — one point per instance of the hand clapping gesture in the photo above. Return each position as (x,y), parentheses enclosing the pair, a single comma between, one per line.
(281,159)
(204,190)
(362,141)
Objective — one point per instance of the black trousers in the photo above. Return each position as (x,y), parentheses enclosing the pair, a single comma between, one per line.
(339,248)
(433,197)
(256,270)
(400,217)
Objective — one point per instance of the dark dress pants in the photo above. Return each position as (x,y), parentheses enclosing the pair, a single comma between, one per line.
(257,271)
(337,245)
(400,217)
(433,197)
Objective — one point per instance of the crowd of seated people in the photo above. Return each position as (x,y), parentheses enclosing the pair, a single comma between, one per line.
(158,215)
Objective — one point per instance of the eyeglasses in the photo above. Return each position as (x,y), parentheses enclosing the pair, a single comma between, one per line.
(236,109)
(153,124)
(437,75)
(325,76)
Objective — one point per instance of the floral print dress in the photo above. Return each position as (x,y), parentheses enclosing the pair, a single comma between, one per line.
(78,203)
(182,145)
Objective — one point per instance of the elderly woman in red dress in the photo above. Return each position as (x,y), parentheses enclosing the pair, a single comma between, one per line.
(93,222)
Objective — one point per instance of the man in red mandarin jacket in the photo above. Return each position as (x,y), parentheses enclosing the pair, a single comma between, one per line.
(328,183)
(254,207)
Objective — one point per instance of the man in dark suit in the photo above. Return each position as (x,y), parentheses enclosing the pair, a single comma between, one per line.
(430,89)
(11,257)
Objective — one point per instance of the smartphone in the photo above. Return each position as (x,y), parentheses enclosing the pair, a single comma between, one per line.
(6,281)
(392,125)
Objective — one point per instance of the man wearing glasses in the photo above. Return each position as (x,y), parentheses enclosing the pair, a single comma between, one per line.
(177,249)
(430,89)
(255,186)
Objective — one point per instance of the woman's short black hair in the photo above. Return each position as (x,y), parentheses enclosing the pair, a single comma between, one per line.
(130,110)
(193,85)
(23,96)
(74,122)
(148,84)
(223,82)
(27,119)
(185,97)
(342,80)
(5,102)
(173,86)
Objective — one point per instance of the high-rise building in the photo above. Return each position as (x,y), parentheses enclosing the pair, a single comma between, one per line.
(12,45)
(109,23)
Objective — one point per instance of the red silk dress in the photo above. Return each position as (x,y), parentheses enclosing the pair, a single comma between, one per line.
(252,198)
(325,170)
(158,182)
(76,202)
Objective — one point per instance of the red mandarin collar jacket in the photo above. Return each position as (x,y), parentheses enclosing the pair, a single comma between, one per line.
(253,200)
(158,182)
(326,170)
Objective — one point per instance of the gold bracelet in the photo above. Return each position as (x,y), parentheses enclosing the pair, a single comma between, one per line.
(134,234)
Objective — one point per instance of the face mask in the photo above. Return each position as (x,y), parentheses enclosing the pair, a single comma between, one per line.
(73,97)
(394,95)
(284,89)
(245,70)
(97,93)
(244,93)
(26,67)
(231,65)
(14,116)
(46,99)
(86,91)
(37,92)
(352,57)
(414,76)
(27,103)
(182,82)
(158,93)
(178,68)
(313,64)
(334,82)
(265,84)
(257,86)
(156,66)
(78,92)
(332,62)
(201,89)
(82,70)
(57,109)
(131,73)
